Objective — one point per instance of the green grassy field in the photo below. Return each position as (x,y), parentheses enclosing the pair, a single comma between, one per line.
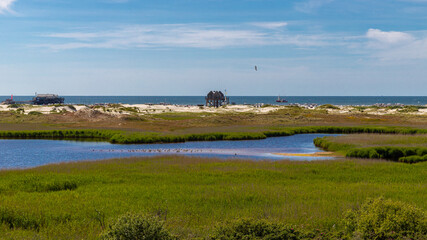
(68,201)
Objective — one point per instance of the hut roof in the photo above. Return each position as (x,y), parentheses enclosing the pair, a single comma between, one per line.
(215,95)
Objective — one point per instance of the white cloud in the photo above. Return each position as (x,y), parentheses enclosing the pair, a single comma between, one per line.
(311,5)
(270,25)
(397,46)
(5,5)
(388,38)
(185,36)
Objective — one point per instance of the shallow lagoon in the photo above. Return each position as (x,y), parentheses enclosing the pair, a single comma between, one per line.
(31,153)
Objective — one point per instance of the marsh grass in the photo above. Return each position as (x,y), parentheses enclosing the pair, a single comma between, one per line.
(126,137)
(403,148)
(193,195)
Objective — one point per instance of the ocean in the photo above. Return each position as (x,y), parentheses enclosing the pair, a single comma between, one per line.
(195,100)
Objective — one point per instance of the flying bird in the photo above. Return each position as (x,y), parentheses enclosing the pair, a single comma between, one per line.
(256,68)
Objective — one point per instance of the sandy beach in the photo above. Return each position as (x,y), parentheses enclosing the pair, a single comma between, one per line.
(149,109)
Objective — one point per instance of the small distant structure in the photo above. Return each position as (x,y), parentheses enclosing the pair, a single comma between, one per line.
(39,99)
(216,99)
(45,99)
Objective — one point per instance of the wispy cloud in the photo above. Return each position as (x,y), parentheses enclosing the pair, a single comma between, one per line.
(309,6)
(185,36)
(5,5)
(270,25)
(383,45)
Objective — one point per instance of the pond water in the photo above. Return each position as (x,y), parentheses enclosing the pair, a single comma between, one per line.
(31,153)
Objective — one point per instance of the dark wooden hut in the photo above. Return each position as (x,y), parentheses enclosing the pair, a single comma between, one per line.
(45,99)
(216,99)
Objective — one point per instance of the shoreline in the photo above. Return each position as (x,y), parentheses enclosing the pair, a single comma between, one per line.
(316,154)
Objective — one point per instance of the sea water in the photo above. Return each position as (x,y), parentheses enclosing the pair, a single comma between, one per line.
(195,100)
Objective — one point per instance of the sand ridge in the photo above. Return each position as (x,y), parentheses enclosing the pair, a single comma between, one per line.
(147,109)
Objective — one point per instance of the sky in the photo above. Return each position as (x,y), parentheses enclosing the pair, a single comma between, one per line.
(189,47)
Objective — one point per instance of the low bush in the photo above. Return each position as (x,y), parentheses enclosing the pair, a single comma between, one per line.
(393,153)
(130,109)
(115,105)
(413,159)
(137,227)
(389,153)
(328,106)
(254,229)
(381,219)
(14,105)
(35,113)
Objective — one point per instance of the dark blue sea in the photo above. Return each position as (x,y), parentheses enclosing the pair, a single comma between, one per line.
(195,100)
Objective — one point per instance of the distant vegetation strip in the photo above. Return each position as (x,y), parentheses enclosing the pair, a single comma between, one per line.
(393,153)
(123,137)
(60,134)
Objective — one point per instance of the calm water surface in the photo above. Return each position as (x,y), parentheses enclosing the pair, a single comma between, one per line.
(31,153)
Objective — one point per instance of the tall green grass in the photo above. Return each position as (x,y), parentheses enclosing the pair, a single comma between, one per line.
(193,195)
(122,137)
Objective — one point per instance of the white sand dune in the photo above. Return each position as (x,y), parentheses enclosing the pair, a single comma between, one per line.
(145,109)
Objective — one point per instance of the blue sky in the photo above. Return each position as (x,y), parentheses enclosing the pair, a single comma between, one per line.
(188,47)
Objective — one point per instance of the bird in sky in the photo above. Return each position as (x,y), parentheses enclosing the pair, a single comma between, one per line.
(256,68)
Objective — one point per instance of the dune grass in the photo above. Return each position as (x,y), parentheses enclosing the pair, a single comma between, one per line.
(77,200)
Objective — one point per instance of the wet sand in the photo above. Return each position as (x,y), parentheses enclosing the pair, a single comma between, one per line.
(316,154)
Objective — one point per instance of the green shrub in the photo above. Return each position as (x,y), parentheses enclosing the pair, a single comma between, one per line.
(328,106)
(137,227)
(266,106)
(413,159)
(254,229)
(14,105)
(401,154)
(115,105)
(130,109)
(35,113)
(386,219)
